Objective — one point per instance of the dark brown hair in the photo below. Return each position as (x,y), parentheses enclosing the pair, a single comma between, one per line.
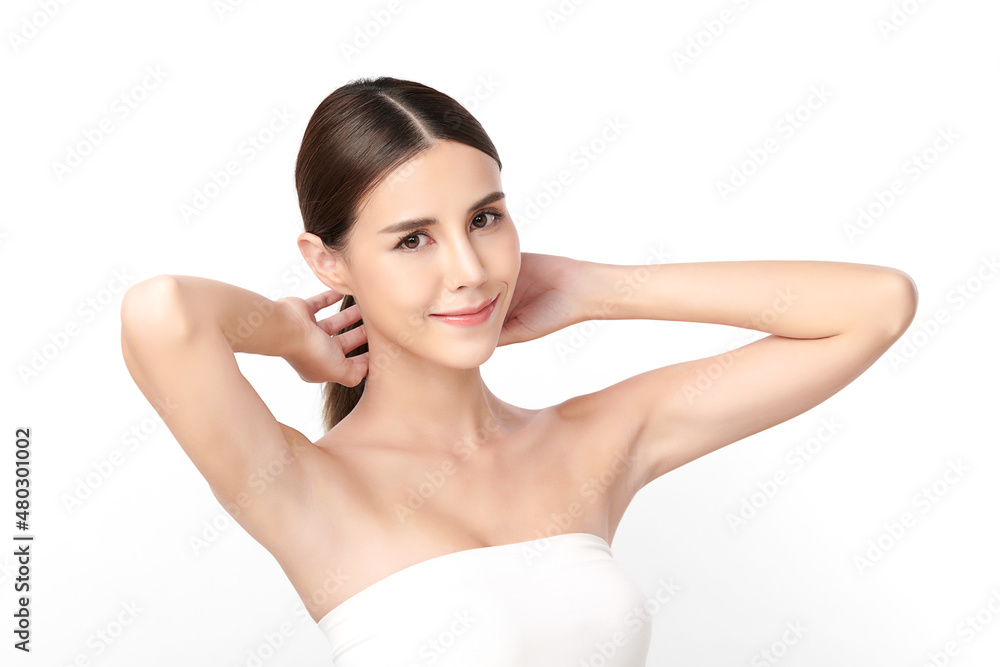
(356,137)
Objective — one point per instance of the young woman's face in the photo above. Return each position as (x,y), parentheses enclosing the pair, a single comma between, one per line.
(436,237)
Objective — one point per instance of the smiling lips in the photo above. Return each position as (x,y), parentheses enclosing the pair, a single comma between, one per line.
(467,319)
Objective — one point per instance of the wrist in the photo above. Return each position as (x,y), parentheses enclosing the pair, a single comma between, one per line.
(626,292)
(291,330)
(596,297)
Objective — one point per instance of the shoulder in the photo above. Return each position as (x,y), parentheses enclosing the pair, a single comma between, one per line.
(605,415)
(600,430)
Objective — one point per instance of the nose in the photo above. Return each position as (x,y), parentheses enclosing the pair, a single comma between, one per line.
(463,266)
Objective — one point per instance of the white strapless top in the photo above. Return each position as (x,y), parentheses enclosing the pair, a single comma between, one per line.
(559,601)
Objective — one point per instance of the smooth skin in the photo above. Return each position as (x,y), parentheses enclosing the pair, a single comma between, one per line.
(430,461)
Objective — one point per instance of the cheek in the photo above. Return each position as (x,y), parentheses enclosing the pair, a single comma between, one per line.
(401,299)
(511,258)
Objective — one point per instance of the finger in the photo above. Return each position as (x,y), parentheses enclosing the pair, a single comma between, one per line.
(323,300)
(359,367)
(348,340)
(326,327)
(352,339)
(339,320)
(333,324)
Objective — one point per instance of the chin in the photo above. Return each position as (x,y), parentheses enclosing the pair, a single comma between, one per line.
(466,354)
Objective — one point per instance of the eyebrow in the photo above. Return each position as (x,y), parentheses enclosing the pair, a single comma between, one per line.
(416,223)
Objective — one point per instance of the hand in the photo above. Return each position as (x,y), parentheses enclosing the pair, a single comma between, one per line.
(320,355)
(546,298)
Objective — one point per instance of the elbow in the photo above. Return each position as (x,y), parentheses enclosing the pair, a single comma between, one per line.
(153,306)
(900,303)
(146,297)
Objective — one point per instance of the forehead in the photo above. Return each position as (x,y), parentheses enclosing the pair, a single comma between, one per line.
(445,178)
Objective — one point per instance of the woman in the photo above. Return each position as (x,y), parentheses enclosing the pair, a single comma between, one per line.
(435,523)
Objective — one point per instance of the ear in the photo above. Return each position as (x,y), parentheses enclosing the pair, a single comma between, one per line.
(329,266)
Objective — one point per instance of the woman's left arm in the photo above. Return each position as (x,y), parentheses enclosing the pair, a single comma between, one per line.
(829,321)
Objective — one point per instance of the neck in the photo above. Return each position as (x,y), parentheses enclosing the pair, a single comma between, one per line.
(421,405)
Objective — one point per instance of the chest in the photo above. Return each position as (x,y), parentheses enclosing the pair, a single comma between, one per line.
(379,513)
(555,601)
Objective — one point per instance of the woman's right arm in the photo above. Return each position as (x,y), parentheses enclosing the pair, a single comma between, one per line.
(179,338)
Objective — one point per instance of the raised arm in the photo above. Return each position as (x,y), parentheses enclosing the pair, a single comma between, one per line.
(179,338)
(829,321)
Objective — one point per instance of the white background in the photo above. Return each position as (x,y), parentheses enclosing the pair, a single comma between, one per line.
(542,89)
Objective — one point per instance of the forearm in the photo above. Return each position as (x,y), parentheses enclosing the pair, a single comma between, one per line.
(794,299)
(250,322)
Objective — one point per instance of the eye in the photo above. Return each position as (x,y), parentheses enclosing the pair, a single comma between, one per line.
(403,242)
(495,214)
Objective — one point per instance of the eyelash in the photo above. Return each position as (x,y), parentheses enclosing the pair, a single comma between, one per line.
(399,246)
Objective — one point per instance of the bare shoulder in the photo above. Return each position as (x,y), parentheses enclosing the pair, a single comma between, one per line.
(598,429)
(601,417)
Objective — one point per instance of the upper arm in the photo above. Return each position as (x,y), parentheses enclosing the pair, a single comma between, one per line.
(678,413)
(252,463)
